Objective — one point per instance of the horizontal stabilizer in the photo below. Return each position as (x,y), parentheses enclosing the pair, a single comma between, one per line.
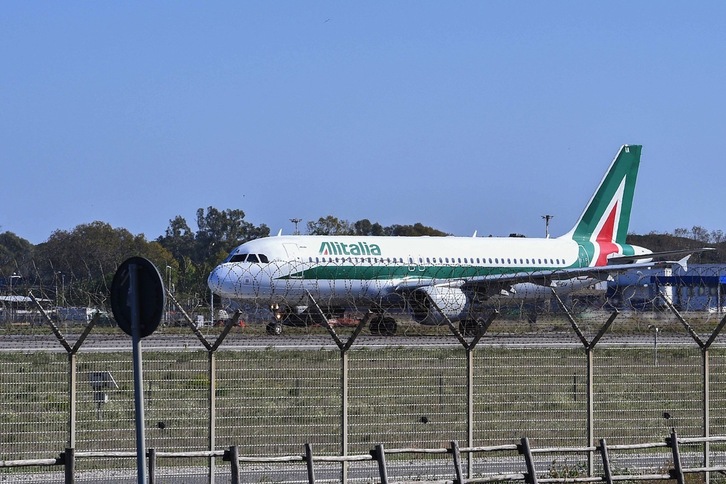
(657,256)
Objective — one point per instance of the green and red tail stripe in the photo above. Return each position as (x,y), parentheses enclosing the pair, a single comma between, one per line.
(603,227)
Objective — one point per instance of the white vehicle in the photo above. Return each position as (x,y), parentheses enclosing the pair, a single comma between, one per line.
(437,277)
(75,314)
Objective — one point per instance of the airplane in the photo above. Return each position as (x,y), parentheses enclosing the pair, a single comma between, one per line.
(438,278)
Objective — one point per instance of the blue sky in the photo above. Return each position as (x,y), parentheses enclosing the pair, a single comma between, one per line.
(460,115)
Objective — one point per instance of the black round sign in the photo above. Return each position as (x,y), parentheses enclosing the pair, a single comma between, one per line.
(149,291)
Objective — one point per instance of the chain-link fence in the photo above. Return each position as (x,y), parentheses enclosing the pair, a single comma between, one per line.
(575,373)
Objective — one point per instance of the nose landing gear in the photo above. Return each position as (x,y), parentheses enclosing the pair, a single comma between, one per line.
(274,328)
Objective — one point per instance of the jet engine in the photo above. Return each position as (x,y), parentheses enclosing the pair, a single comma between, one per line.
(450,301)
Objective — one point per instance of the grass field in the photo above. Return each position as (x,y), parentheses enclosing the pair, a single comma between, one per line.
(272,401)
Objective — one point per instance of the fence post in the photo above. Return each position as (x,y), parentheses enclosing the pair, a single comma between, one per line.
(380,455)
(707,393)
(152,465)
(456,454)
(590,383)
(212,360)
(677,472)
(608,474)
(233,455)
(706,368)
(531,476)
(309,462)
(69,464)
(72,398)
(344,415)
(469,411)
(589,348)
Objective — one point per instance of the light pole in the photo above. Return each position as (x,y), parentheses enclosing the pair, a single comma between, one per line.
(655,343)
(12,302)
(168,288)
(57,296)
(296,221)
(547,219)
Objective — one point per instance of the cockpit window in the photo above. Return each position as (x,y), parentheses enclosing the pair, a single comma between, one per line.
(251,258)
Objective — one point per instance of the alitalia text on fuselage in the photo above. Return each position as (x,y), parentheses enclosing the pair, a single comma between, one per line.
(354,249)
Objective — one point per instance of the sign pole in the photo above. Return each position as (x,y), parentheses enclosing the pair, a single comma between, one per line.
(138,375)
(137,301)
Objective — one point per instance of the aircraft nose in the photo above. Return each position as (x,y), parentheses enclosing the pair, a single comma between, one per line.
(218,281)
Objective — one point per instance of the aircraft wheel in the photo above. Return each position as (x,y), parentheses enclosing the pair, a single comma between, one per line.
(468,327)
(274,329)
(375,325)
(383,326)
(389,327)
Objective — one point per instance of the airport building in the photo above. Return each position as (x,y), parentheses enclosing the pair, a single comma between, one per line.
(701,288)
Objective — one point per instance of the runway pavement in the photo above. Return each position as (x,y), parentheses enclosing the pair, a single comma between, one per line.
(240,341)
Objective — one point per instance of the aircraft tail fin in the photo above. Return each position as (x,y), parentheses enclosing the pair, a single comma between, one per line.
(603,226)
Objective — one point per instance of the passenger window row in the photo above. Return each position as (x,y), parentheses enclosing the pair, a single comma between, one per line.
(263,259)
(443,260)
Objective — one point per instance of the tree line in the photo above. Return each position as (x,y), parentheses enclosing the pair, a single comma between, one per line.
(76,266)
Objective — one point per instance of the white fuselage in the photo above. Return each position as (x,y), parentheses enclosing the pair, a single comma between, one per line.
(350,270)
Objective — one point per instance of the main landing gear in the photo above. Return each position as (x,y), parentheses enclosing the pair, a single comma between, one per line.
(301,317)
(469,327)
(383,326)
(274,328)
(380,325)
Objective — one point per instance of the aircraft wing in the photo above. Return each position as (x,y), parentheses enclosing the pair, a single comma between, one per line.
(494,284)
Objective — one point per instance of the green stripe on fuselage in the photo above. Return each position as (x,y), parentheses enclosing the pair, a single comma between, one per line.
(372,273)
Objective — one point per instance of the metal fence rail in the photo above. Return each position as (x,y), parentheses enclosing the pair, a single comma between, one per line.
(378,454)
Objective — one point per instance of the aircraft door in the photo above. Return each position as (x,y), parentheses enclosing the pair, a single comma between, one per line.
(292,251)
(293,259)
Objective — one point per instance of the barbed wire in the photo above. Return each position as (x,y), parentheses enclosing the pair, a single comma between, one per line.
(71,297)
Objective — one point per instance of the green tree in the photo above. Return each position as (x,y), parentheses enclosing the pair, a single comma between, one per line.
(220,231)
(700,234)
(414,230)
(330,226)
(86,258)
(365,227)
(680,239)
(16,255)
(178,239)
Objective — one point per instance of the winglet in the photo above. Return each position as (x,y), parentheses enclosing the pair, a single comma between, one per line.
(279,233)
(684,263)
